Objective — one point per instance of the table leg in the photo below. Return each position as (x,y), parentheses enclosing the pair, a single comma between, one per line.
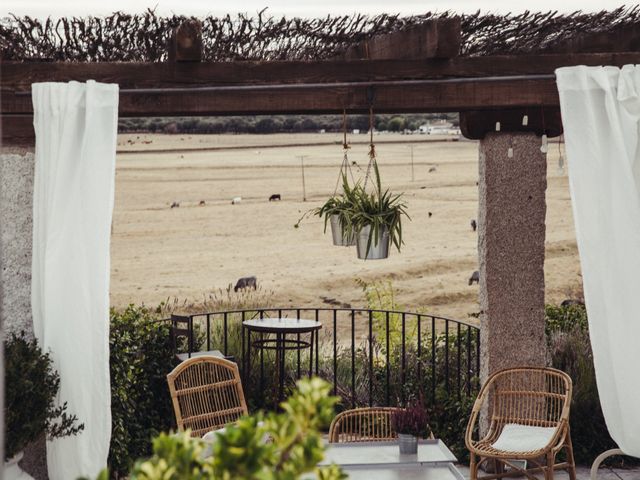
(248,367)
(280,352)
(311,354)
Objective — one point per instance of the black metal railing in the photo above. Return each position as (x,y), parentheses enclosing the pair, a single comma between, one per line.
(371,357)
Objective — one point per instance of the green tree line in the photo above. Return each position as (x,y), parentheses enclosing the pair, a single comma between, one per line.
(278,123)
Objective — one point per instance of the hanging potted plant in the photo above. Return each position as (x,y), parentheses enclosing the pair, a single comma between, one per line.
(411,423)
(337,211)
(31,388)
(377,219)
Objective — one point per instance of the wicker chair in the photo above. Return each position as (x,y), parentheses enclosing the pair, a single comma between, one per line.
(206,393)
(371,424)
(528,419)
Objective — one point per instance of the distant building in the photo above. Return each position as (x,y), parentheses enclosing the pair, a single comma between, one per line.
(356,131)
(439,128)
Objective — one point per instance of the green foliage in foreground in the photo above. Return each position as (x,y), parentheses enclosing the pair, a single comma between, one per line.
(30,407)
(295,446)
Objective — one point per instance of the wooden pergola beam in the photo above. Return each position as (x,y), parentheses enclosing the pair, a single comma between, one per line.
(20,75)
(390,97)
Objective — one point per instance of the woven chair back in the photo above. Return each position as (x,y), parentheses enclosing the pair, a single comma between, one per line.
(363,425)
(207,394)
(529,396)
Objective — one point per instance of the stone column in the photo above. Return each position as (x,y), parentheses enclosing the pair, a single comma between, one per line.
(16,240)
(16,227)
(511,242)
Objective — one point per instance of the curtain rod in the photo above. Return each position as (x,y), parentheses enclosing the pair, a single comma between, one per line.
(302,86)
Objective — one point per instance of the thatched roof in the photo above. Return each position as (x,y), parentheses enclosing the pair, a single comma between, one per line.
(143,38)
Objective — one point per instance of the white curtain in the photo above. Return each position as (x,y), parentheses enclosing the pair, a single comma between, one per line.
(600,111)
(76,127)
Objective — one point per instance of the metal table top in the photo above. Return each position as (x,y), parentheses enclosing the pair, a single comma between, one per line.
(368,454)
(404,472)
(282,325)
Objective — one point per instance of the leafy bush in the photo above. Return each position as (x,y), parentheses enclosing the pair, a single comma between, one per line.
(141,357)
(31,388)
(565,319)
(295,445)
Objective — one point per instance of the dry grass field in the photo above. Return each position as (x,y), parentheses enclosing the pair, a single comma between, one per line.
(190,251)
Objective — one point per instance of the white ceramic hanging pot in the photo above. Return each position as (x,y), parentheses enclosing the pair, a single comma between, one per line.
(379,248)
(12,470)
(340,237)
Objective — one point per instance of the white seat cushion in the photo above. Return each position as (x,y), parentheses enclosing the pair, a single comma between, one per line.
(523,438)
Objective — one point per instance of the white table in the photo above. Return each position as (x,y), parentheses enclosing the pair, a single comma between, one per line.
(382,460)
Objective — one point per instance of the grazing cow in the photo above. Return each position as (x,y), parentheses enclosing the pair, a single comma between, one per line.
(474,225)
(430,214)
(246,282)
(236,200)
(202,202)
(568,302)
(175,205)
(475,277)
(432,169)
(274,197)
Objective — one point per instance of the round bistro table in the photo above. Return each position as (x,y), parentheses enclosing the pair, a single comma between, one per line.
(273,334)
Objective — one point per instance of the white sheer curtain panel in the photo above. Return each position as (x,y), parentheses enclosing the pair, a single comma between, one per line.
(600,111)
(76,128)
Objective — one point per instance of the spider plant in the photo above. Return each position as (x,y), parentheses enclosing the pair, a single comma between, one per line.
(380,210)
(340,207)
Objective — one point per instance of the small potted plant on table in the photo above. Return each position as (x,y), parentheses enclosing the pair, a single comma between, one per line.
(411,423)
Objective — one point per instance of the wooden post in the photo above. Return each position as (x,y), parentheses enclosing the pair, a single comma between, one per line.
(185,44)
(436,38)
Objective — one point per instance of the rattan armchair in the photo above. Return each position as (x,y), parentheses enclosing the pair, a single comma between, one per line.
(528,419)
(371,424)
(206,393)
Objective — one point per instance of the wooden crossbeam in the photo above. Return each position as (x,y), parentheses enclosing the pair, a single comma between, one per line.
(391,97)
(19,76)
(436,85)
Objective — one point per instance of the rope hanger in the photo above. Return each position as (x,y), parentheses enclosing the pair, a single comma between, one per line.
(345,166)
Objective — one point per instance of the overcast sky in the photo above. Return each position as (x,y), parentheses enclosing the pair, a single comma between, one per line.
(308,8)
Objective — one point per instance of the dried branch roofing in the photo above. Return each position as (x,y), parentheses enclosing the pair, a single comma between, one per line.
(143,37)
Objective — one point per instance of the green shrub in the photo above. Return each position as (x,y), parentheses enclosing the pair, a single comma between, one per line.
(31,388)
(565,319)
(240,451)
(141,357)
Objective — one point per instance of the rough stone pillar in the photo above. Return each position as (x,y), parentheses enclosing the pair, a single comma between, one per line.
(16,227)
(511,249)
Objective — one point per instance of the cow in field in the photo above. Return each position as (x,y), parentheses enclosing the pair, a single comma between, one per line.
(236,200)
(475,277)
(569,302)
(246,282)
(474,225)
(274,197)
(175,205)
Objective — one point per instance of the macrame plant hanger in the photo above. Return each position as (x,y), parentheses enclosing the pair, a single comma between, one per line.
(372,147)
(345,166)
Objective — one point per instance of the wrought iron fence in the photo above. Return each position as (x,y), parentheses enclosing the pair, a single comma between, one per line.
(371,357)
